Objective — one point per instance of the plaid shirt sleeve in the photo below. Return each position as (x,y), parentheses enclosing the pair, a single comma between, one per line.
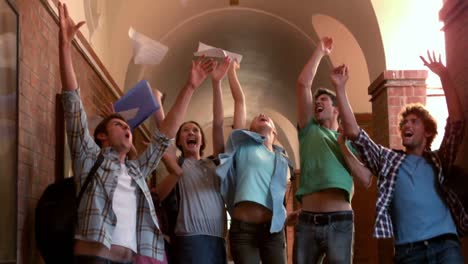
(148,160)
(82,145)
(382,162)
(451,183)
(369,152)
(449,147)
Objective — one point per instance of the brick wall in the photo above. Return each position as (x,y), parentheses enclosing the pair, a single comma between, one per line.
(390,92)
(454,14)
(39,82)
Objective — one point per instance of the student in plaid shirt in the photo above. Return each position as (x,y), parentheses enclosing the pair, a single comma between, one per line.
(116,217)
(413,204)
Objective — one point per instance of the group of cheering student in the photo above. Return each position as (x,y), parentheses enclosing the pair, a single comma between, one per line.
(247,176)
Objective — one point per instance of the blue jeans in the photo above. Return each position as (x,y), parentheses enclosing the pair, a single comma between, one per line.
(441,249)
(200,249)
(320,234)
(251,243)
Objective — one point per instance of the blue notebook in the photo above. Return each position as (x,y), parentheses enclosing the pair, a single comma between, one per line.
(137,104)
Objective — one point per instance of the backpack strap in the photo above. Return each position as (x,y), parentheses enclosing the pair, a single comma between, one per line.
(90,176)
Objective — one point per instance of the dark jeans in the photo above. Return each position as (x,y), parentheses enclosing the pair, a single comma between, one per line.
(200,249)
(320,234)
(251,243)
(440,249)
(96,260)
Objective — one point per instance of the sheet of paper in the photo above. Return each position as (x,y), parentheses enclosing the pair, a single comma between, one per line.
(129,114)
(210,51)
(145,49)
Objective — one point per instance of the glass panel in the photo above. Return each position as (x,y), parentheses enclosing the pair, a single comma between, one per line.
(8,130)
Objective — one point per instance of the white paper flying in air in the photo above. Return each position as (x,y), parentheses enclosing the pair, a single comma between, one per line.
(129,114)
(145,49)
(214,52)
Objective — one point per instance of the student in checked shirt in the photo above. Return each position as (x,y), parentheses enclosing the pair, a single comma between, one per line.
(413,205)
(116,217)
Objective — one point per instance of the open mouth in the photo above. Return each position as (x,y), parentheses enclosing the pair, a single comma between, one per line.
(407,134)
(263,119)
(191,142)
(318,109)
(127,135)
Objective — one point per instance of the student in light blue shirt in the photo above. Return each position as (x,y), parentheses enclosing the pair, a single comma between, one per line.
(253,174)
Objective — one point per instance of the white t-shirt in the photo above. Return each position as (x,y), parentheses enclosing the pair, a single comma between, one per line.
(124,205)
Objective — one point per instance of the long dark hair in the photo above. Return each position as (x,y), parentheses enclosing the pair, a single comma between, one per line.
(203,145)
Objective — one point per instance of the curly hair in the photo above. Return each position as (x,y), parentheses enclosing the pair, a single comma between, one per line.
(430,124)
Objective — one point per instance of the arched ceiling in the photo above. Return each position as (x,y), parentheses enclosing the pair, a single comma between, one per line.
(275,37)
(242,28)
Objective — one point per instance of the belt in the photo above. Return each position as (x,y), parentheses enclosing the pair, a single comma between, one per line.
(324,219)
(429,241)
(250,226)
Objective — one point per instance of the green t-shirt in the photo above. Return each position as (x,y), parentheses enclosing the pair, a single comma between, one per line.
(322,164)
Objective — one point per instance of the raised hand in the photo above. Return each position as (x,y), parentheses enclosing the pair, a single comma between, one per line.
(200,70)
(340,76)
(68,28)
(234,66)
(158,94)
(326,45)
(220,70)
(434,65)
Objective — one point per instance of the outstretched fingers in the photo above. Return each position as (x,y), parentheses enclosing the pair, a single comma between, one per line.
(424,60)
(79,25)
(208,65)
(65,10)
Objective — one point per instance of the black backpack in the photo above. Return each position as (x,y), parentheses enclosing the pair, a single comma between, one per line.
(56,214)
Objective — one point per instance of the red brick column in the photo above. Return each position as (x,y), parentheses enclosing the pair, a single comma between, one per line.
(389,93)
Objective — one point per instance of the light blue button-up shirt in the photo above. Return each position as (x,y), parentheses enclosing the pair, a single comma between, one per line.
(226,171)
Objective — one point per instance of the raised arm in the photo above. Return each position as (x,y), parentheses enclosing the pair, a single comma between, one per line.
(169,158)
(165,186)
(217,76)
(159,115)
(82,145)
(198,73)
(238,96)
(305,107)
(67,32)
(453,100)
(357,169)
(339,77)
